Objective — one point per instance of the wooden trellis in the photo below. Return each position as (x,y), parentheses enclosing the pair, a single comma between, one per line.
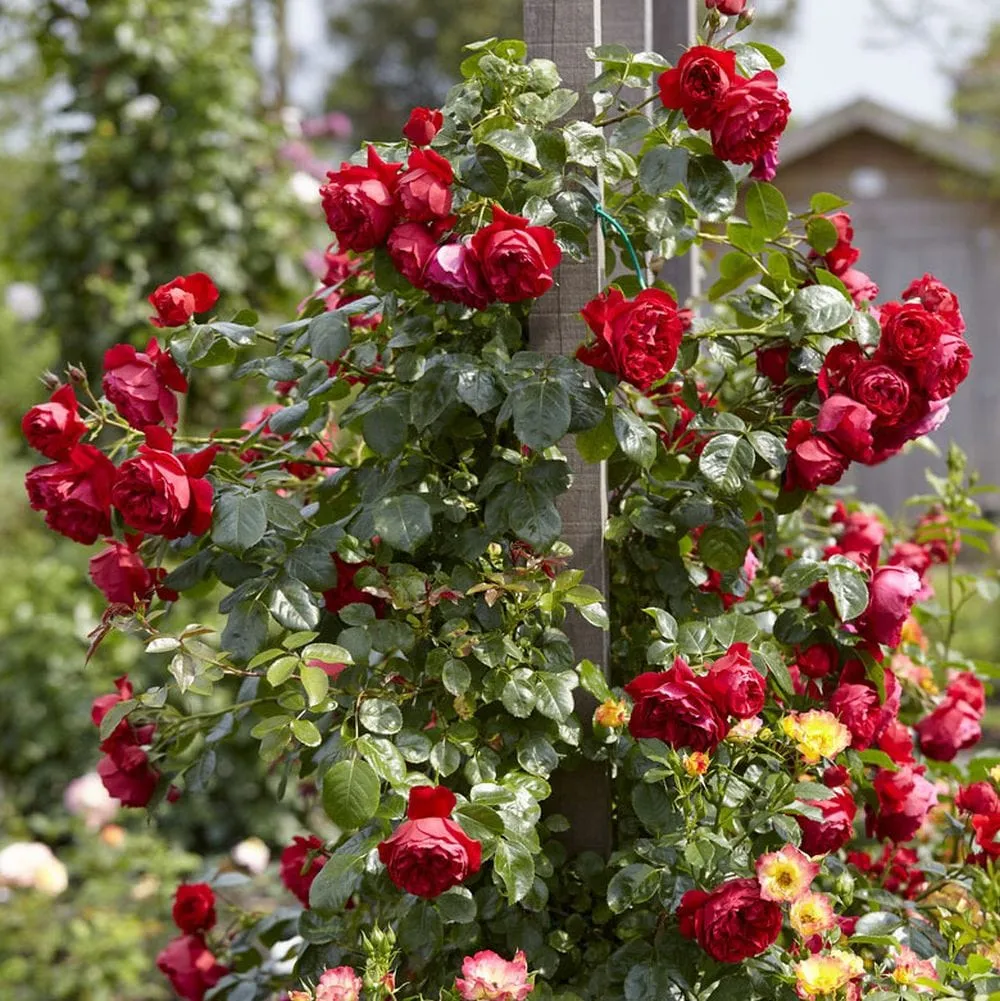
(561,30)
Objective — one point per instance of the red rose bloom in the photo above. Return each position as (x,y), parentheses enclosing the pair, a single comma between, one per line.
(818,661)
(517,259)
(637,339)
(835,829)
(897,741)
(864,534)
(75,493)
(966,687)
(772,363)
(847,424)
(732,922)
(190,966)
(946,368)
(177,301)
(952,727)
(194,907)
(120,575)
(410,246)
(979,797)
(750,119)
(909,333)
(730,7)
(453,274)
(860,286)
(855,702)
(676,707)
(938,299)
(905,798)
(141,385)
(359,202)
(844,255)
(295,873)
(53,428)
(912,555)
(881,389)
(812,460)
(423,125)
(160,493)
(737,687)
(699,81)
(891,594)
(344,592)
(424,189)
(841,360)
(987,828)
(429,853)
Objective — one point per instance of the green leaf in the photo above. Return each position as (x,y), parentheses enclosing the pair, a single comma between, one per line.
(554,694)
(329,335)
(662,169)
(723,547)
(533,516)
(486,172)
(518,697)
(767,210)
(877,923)
(711,187)
(293,605)
(184,669)
(819,309)
(666,624)
(281,670)
(350,793)
(239,521)
(879,759)
(771,54)
(542,412)
(848,586)
(636,438)
(592,680)
(478,389)
(380,716)
(536,755)
(650,981)
(288,418)
(770,448)
(115,715)
(384,428)
(801,574)
(515,866)
(456,906)
(403,522)
(306,732)
(456,677)
(316,682)
(445,757)
(516,144)
(632,885)
(246,630)
(727,463)
(338,879)
(823,202)
(821,234)
(600,442)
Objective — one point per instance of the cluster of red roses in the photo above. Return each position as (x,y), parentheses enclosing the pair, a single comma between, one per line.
(687,710)
(157,492)
(745,117)
(873,405)
(187,961)
(980,799)
(409,211)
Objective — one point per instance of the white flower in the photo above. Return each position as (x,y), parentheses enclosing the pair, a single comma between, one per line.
(304,187)
(32,865)
(252,854)
(24,301)
(142,108)
(86,797)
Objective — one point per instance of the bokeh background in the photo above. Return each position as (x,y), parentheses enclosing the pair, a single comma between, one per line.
(141,139)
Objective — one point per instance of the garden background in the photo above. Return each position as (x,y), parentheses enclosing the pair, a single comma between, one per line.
(140,139)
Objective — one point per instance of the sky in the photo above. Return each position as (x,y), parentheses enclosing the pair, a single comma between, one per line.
(839,50)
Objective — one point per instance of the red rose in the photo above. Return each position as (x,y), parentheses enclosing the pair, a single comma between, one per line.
(344,592)
(637,339)
(517,259)
(947,367)
(410,246)
(835,829)
(165,494)
(429,853)
(861,287)
(120,575)
(194,907)
(53,428)
(897,741)
(750,119)
(841,360)
(190,966)
(909,333)
(812,460)
(424,190)
(987,828)
(132,784)
(730,7)
(836,776)
(863,533)
(699,81)
(103,704)
(912,555)
(338,266)
(732,922)
(844,255)
(952,727)
(141,385)
(891,594)
(423,125)
(359,202)
(967,688)
(938,536)
(772,363)
(737,687)
(676,707)
(938,299)
(295,872)
(855,702)
(818,661)
(75,493)
(453,274)
(905,798)
(177,301)
(847,424)
(881,389)
(979,797)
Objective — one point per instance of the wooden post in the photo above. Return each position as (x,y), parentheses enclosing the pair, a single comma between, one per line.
(561,30)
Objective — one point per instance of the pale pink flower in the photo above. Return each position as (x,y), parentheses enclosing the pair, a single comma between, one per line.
(489,977)
(339,984)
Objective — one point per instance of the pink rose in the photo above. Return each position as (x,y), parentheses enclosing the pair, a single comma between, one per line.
(835,829)
(410,247)
(952,727)
(891,594)
(489,977)
(978,797)
(844,255)
(861,287)
(453,274)
(967,688)
(190,966)
(847,424)
(946,368)
(53,428)
(910,333)
(141,385)
(882,389)
(177,301)
(729,7)
(862,533)
(855,702)
(339,984)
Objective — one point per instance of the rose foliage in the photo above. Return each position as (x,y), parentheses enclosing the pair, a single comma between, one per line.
(782,712)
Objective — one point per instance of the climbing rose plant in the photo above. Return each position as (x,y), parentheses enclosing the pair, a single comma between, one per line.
(782,711)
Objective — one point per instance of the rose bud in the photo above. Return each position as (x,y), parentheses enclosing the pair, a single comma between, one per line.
(53,428)
(177,301)
(423,125)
